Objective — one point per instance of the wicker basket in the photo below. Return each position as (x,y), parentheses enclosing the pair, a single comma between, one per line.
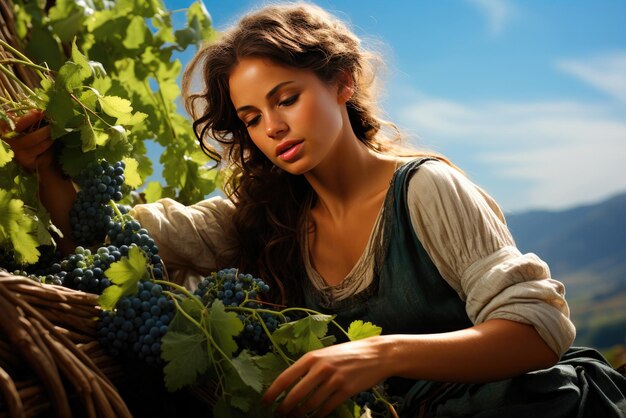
(50,362)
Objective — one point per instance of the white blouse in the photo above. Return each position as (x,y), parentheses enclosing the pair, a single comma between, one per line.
(460,226)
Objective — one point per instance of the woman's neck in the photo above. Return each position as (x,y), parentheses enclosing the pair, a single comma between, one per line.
(352,175)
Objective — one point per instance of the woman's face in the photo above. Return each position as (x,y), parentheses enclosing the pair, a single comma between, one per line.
(292,116)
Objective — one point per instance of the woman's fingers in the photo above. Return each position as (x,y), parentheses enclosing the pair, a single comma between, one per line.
(32,140)
(330,404)
(29,119)
(315,401)
(28,147)
(312,386)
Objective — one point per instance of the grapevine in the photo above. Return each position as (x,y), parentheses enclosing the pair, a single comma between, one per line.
(72,63)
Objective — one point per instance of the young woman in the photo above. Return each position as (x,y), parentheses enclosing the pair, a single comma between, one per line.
(327,208)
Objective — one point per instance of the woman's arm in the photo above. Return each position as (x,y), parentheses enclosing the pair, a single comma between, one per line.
(33,151)
(494,350)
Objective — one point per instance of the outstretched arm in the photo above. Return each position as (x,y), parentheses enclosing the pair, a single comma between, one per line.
(494,350)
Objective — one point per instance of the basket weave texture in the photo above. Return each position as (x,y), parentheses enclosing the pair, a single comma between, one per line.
(50,361)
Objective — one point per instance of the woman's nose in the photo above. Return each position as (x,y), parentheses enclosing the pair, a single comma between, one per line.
(275,127)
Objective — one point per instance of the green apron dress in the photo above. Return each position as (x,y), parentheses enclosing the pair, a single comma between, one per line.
(409,296)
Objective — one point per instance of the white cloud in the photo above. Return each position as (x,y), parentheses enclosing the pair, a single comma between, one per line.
(561,153)
(497,12)
(606,72)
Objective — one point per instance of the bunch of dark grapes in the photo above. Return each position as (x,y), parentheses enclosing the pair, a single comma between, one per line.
(138,323)
(99,183)
(125,231)
(84,270)
(48,255)
(235,289)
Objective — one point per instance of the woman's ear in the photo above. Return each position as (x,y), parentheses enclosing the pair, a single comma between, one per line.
(346,87)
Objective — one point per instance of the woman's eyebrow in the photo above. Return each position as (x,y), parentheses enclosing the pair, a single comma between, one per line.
(268,96)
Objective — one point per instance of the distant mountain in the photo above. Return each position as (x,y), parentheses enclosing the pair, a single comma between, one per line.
(585,248)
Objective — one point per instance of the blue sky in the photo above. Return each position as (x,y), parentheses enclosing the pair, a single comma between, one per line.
(527,97)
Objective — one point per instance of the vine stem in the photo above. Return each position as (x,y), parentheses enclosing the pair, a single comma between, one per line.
(17,53)
(203,329)
(26,64)
(86,109)
(255,313)
(208,336)
(115,209)
(181,289)
(381,398)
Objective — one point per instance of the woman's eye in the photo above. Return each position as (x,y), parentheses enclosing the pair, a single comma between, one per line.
(252,121)
(289,101)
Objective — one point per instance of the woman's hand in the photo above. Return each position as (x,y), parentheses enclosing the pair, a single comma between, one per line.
(323,379)
(32,149)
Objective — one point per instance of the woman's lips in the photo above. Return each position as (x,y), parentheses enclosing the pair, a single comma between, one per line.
(287,151)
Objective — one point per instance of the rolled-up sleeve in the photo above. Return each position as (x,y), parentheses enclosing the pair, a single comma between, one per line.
(464,232)
(190,238)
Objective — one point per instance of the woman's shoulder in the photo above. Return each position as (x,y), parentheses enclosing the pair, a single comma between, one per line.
(431,170)
(439,181)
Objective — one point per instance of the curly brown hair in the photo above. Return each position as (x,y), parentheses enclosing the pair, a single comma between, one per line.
(272,204)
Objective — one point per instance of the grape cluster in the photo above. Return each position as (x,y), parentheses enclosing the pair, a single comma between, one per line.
(125,231)
(138,323)
(235,289)
(99,183)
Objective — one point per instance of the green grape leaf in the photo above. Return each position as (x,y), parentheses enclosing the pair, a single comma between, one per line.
(17,228)
(87,136)
(44,225)
(43,46)
(199,19)
(132,119)
(6,154)
(135,33)
(223,326)
(79,59)
(115,106)
(153,191)
(186,356)
(303,335)
(89,98)
(131,174)
(243,382)
(163,24)
(59,111)
(102,137)
(67,18)
(271,365)
(71,76)
(125,276)
(248,371)
(359,330)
